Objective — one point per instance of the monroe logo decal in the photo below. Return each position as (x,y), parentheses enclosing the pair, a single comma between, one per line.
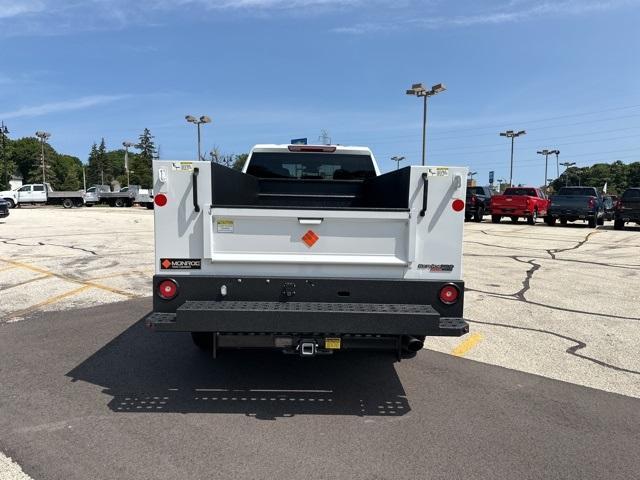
(435,268)
(180,264)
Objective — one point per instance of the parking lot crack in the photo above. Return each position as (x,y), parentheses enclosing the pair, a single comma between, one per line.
(573,350)
(553,251)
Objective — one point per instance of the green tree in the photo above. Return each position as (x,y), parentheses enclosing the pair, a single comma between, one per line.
(140,165)
(239,161)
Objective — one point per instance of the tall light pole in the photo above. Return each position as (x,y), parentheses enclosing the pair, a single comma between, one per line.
(43,136)
(566,165)
(397,159)
(418,90)
(557,152)
(512,135)
(126,145)
(5,173)
(546,153)
(198,122)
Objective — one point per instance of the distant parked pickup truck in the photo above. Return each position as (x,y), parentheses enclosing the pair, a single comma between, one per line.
(576,203)
(627,208)
(516,202)
(103,194)
(4,209)
(478,203)
(43,194)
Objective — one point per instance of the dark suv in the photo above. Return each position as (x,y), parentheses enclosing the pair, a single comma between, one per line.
(478,203)
(4,208)
(627,208)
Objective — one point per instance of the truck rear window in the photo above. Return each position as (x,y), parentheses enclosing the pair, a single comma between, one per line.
(633,193)
(587,191)
(311,166)
(521,192)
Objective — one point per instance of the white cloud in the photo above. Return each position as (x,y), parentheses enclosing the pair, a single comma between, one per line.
(513,11)
(15,8)
(64,106)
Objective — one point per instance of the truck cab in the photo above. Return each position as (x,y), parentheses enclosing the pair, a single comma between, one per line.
(310,250)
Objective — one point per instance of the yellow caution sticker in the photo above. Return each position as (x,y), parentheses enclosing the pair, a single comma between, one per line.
(224,226)
(332,343)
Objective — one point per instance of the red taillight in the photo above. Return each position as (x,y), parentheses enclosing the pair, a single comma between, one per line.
(618,205)
(592,202)
(160,199)
(474,199)
(167,289)
(457,205)
(449,294)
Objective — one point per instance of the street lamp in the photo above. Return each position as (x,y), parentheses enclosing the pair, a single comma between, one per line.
(4,131)
(198,122)
(566,165)
(397,159)
(557,152)
(43,136)
(512,135)
(418,90)
(546,154)
(126,145)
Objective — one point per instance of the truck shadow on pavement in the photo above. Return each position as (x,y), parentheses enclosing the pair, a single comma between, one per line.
(151,372)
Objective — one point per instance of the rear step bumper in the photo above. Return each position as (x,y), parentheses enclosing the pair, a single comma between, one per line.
(307,317)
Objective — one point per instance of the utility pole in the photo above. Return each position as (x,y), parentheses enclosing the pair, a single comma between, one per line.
(126,145)
(5,172)
(566,165)
(324,137)
(397,159)
(512,135)
(418,90)
(43,136)
(84,178)
(557,152)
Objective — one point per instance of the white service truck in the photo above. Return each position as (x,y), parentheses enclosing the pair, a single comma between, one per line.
(309,250)
(42,194)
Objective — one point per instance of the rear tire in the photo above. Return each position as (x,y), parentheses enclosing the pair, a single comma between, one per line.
(592,222)
(496,218)
(531,220)
(479,214)
(618,224)
(203,340)
(514,219)
(67,203)
(563,222)
(118,203)
(600,221)
(467,217)
(551,221)
(149,206)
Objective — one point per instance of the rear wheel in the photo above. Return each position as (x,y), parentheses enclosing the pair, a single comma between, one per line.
(67,203)
(119,203)
(592,222)
(149,206)
(203,340)
(467,217)
(496,218)
(600,221)
(563,222)
(551,221)
(479,214)
(514,219)
(618,224)
(531,219)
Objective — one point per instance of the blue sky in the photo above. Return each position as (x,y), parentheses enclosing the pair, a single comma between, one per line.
(266,71)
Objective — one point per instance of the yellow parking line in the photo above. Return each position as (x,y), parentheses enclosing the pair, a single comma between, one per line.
(117,291)
(49,301)
(467,345)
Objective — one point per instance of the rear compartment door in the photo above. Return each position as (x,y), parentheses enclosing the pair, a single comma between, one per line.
(345,242)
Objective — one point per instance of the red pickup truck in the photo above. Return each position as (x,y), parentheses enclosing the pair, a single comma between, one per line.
(516,202)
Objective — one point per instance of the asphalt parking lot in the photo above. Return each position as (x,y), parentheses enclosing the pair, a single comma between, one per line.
(545,385)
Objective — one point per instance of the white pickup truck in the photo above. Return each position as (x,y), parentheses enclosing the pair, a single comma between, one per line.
(308,250)
(42,194)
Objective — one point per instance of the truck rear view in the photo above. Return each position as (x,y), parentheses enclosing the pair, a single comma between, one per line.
(308,250)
